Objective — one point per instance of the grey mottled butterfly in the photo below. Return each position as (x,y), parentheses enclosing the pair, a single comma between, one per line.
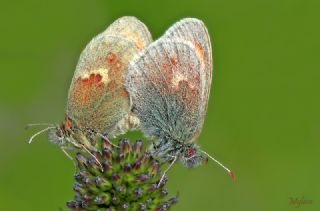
(169,85)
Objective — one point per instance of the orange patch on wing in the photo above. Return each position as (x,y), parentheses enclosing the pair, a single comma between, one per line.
(118,65)
(93,79)
(115,72)
(89,88)
(111,58)
(124,92)
(139,44)
(200,53)
(174,60)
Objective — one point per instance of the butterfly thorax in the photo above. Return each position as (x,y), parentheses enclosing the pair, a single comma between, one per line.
(188,153)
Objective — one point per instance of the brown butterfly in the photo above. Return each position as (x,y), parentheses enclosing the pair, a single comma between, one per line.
(98,102)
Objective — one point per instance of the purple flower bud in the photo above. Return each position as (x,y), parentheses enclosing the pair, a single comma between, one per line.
(137,147)
(107,154)
(142,177)
(115,176)
(87,197)
(79,188)
(138,192)
(81,159)
(103,198)
(106,166)
(106,143)
(127,167)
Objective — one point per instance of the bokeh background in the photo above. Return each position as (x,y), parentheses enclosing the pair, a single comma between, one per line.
(264,111)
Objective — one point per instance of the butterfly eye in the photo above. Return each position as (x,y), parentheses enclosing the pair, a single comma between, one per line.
(190,152)
(59,133)
(67,123)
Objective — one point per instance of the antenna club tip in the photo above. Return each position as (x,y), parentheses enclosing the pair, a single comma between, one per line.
(232,175)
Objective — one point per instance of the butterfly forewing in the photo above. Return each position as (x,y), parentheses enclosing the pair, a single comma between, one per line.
(132,29)
(97,97)
(164,83)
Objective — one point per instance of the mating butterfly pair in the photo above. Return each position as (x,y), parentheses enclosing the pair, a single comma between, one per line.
(123,80)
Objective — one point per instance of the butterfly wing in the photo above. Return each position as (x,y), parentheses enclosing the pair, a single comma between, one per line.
(97,97)
(194,31)
(165,84)
(130,28)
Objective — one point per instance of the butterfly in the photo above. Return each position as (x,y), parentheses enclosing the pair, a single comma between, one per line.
(169,85)
(98,102)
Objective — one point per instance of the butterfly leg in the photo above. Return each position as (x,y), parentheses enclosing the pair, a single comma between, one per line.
(69,156)
(88,151)
(66,153)
(165,172)
(106,138)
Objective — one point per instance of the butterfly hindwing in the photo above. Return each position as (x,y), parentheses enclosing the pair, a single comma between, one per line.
(165,84)
(194,31)
(169,85)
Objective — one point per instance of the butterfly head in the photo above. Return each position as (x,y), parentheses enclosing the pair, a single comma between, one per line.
(191,156)
(59,134)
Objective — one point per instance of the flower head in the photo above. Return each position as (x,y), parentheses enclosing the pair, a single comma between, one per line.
(124,178)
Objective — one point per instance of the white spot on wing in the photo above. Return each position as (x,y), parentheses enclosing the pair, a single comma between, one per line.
(103,72)
(177,77)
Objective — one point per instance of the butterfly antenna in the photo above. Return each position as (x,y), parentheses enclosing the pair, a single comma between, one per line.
(38,133)
(38,124)
(231,173)
(64,150)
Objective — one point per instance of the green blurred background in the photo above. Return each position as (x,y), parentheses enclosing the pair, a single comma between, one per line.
(264,111)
